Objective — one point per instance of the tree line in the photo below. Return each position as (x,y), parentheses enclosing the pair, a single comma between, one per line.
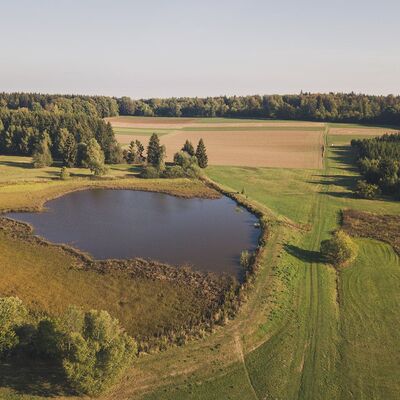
(95,106)
(379,163)
(335,107)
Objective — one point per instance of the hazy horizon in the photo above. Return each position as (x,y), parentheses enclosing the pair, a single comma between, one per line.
(187,49)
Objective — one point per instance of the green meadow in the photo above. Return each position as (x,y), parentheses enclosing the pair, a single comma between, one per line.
(306,331)
(331,334)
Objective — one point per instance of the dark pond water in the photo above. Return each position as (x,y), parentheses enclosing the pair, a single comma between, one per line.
(207,234)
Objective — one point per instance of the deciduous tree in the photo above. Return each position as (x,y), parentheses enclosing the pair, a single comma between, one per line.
(95,158)
(42,155)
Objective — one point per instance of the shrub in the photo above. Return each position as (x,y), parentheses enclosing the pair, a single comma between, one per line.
(176,171)
(194,171)
(12,315)
(96,353)
(340,249)
(46,340)
(150,172)
(184,160)
(188,164)
(245,259)
(64,174)
(367,190)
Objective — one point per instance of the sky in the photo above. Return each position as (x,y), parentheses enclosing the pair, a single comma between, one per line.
(172,48)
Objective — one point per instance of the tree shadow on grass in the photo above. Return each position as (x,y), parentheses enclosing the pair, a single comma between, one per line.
(309,256)
(345,157)
(34,378)
(17,164)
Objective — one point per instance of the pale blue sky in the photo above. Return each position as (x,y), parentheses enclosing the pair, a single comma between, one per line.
(158,48)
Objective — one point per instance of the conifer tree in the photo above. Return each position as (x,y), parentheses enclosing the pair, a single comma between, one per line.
(153,150)
(131,152)
(188,148)
(139,150)
(201,154)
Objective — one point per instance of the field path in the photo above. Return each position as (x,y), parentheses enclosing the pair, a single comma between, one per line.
(239,349)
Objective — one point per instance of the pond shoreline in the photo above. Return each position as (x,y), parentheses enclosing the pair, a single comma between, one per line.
(224,292)
(181,188)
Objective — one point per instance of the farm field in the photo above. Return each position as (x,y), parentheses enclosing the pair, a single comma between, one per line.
(251,143)
(331,337)
(306,331)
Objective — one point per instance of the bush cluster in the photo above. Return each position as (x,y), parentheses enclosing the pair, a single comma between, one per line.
(340,249)
(91,347)
(188,163)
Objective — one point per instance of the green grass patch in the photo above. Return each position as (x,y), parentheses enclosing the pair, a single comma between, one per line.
(228,383)
(370,300)
(287,192)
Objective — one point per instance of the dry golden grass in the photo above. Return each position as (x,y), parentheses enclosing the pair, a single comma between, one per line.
(48,280)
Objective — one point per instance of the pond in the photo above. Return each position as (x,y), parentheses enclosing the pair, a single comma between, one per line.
(208,234)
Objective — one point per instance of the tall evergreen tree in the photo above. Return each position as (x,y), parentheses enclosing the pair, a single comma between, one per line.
(153,150)
(139,150)
(201,154)
(131,152)
(188,147)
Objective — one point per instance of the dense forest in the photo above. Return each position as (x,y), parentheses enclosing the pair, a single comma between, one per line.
(379,163)
(95,106)
(335,107)
(67,125)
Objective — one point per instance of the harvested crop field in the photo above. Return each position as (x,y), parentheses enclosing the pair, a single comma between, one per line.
(359,131)
(251,143)
(179,123)
(300,148)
